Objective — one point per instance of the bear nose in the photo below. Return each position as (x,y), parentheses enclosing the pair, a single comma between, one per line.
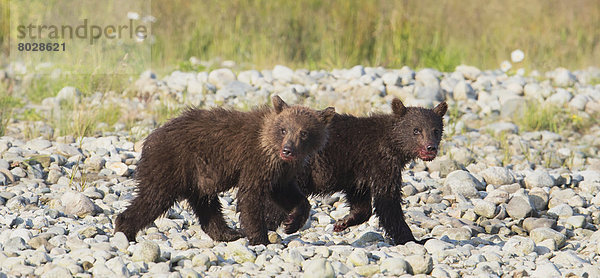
(287,151)
(431,148)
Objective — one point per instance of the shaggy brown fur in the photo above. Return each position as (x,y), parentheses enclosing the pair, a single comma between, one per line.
(364,157)
(203,152)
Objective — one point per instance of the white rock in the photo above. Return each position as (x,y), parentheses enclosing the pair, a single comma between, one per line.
(578,102)
(68,94)
(420,264)
(577,221)
(38,144)
(57,272)
(118,167)
(355,72)
(221,77)
(541,234)
(358,257)
(233,89)
(249,76)
(469,72)
(195,87)
(239,253)
(464,91)
(75,203)
(318,268)
(283,74)
(561,211)
(484,208)
(497,176)
(539,178)
(518,245)
(394,266)
(563,77)
(519,207)
(462,182)
(392,79)
(547,269)
(560,98)
(146,251)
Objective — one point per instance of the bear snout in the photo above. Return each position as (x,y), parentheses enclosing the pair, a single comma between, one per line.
(431,148)
(428,152)
(288,152)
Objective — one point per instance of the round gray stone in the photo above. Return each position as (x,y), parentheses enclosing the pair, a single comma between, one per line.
(518,245)
(539,178)
(318,268)
(540,234)
(497,176)
(420,264)
(221,77)
(463,183)
(518,207)
(146,251)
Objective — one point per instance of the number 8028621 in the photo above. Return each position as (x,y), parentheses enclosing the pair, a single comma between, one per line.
(34,46)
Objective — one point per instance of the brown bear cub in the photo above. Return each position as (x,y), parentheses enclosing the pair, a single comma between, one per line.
(364,157)
(204,152)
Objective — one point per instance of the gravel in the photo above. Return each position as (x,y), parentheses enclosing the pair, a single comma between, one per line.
(499,200)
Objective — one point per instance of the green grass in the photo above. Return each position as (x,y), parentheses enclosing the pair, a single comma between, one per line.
(538,117)
(391,33)
(7,105)
(43,85)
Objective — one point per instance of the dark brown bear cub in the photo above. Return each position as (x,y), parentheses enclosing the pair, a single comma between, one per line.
(364,157)
(203,152)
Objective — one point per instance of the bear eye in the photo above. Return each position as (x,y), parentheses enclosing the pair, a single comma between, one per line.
(303,135)
(416,131)
(283,131)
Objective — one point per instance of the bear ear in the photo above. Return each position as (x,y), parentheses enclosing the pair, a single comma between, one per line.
(278,104)
(441,108)
(398,107)
(327,114)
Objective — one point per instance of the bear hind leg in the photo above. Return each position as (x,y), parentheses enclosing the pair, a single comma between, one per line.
(142,211)
(209,213)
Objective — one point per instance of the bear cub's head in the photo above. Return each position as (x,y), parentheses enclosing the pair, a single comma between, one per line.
(293,133)
(418,131)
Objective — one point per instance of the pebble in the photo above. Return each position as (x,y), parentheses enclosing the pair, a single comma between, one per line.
(497,176)
(283,73)
(519,207)
(358,257)
(75,203)
(561,211)
(519,246)
(462,182)
(485,208)
(515,204)
(146,251)
(539,178)
(420,264)
(318,268)
(221,77)
(395,267)
(541,234)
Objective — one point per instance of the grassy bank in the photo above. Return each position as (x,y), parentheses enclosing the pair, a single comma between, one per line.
(391,33)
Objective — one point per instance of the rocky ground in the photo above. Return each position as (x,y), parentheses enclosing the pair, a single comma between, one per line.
(500,200)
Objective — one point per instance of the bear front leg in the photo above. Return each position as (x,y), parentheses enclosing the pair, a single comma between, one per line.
(142,211)
(292,200)
(360,211)
(273,213)
(209,212)
(391,217)
(251,213)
